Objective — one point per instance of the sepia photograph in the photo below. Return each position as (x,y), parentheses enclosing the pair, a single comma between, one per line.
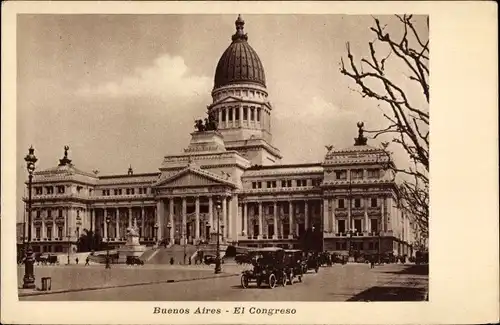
(223,157)
(188,170)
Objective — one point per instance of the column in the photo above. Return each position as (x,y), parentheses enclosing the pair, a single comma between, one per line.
(326,216)
(160,212)
(275,219)
(333,217)
(44,229)
(171,219)
(290,219)
(218,116)
(367,223)
(105,215)
(211,213)
(245,218)
(260,220)
(382,216)
(282,214)
(241,115)
(224,216)
(117,227)
(306,214)
(197,221)
(92,220)
(349,206)
(236,228)
(229,217)
(184,226)
(143,229)
(130,222)
(389,214)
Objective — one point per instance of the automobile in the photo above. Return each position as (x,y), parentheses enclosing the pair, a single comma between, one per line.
(134,260)
(294,263)
(210,259)
(313,262)
(242,259)
(268,268)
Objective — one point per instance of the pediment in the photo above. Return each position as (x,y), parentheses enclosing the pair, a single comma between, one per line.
(229,99)
(191,177)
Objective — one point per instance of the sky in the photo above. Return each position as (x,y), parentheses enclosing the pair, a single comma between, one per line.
(125,90)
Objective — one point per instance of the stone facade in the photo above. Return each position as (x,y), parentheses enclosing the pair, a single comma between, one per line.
(230,179)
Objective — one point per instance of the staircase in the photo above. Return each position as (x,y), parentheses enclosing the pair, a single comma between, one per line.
(163,255)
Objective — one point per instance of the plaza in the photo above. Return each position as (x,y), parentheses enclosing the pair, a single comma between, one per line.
(350,282)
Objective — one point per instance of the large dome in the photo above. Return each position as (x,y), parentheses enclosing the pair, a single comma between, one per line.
(240,62)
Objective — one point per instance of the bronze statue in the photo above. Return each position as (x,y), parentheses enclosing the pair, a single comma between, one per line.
(199,125)
(210,124)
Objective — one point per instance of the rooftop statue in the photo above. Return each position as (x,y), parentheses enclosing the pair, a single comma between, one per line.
(209,125)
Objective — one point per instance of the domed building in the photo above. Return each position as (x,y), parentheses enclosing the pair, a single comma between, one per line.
(229,183)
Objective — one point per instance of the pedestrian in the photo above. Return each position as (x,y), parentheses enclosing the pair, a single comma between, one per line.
(189,260)
(372,262)
(87,261)
(76,260)
(171,261)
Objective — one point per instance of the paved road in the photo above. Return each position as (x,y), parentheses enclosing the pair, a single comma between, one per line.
(338,283)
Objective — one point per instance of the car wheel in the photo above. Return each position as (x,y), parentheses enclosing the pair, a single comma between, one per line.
(272,281)
(244,281)
(284,279)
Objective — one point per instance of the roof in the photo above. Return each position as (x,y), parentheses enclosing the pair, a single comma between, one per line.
(239,62)
(274,170)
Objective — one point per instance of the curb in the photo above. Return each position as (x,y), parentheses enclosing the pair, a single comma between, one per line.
(123,285)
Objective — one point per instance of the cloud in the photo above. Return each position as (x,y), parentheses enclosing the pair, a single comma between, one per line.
(168,77)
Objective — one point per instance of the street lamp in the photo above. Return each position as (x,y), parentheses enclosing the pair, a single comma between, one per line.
(29,272)
(184,235)
(169,226)
(218,268)
(350,233)
(156,233)
(108,220)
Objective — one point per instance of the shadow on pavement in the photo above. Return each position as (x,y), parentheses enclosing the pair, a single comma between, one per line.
(413,269)
(390,294)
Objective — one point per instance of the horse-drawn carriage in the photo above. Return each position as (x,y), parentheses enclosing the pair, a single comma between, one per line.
(269,267)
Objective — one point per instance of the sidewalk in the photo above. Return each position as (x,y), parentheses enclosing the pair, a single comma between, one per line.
(80,278)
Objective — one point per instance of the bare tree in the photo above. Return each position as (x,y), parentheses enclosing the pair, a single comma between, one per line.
(408,122)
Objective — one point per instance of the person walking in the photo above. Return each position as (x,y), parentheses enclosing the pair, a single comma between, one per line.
(76,260)
(87,261)
(372,262)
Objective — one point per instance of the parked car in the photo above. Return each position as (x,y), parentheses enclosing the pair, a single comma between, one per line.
(313,262)
(134,260)
(268,268)
(209,259)
(294,264)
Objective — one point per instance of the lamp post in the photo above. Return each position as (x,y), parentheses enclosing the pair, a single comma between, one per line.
(350,233)
(218,268)
(108,265)
(29,274)
(169,226)
(184,234)
(156,233)
(379,248)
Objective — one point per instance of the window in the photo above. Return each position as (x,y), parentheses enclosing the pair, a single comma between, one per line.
(373,173)
(286,209)
(38,191)
(301,182)
(271,184)
(252,114)
(90,191)
(49,189)
(286,230)
(38,214)
(49,232)
(60,213)
(259,184)
(37,232)
(340,174)
(78,189)
(357,174)
(223,118)
(357,203)
(270,209)
(116,192)
(49,214)
(245,113)
(341,204)
(254,184)
(270,230)
(255,229)
(373,202)
(357,225)
(230,114)
(317,182)
(341,224)
(60,232)
(237,113)
(128,191)
(374,225)
(60,189)
(258,114)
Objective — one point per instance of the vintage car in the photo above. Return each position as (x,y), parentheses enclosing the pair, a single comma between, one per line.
(268,267)
(294,264)
(134,260)
(313,262)
(210,259)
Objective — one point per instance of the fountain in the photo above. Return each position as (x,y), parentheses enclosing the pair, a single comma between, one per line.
(132,247)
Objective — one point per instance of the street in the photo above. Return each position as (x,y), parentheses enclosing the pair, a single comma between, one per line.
(351,282)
